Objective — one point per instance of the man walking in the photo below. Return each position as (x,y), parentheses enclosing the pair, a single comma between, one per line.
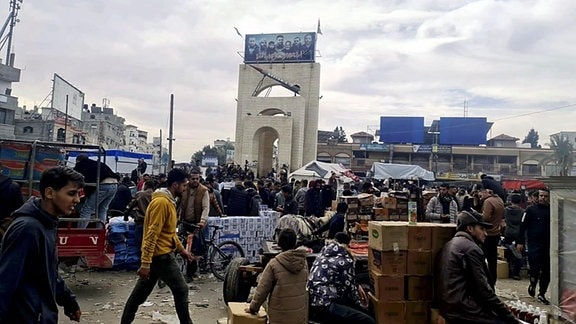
(160,241)
(535,231)
(464,291)
(31,288)
(493,212)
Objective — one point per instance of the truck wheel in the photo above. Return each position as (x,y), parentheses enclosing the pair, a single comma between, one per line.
(235,288)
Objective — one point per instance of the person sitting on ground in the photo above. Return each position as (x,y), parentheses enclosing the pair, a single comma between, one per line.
(336,223)
(283,282)
(334,295)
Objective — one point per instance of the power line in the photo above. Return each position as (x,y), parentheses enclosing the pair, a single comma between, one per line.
(537,112)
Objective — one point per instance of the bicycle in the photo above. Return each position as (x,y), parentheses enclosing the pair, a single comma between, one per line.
(217,257)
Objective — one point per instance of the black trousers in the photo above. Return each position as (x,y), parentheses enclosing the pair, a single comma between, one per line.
(340,314)
(490,248)
(539,270)
(163,267)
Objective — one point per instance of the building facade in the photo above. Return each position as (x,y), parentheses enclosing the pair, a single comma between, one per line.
(448,162)
(8,103)
(103,127)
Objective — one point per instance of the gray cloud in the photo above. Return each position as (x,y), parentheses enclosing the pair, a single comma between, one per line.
(415,57)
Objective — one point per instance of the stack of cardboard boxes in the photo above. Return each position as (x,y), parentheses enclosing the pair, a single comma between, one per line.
(401,266)
(391,208)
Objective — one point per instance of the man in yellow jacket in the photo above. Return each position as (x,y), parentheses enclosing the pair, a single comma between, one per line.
(158,246)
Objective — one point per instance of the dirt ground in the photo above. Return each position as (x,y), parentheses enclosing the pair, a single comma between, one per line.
(102,296)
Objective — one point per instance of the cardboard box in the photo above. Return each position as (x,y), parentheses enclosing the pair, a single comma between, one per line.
(501,253)
(441,233)
(388,262)
(419,263)
(435,317)
(387,288)
(420,237)
(389,202)
(417,312)
(237,315)
(502,270)
(388,312)
(381,214)
(388,236)
(419,287)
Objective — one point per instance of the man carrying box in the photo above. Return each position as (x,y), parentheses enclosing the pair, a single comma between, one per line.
(464,289)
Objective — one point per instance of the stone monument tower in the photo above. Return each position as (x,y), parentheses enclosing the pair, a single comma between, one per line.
(272,131)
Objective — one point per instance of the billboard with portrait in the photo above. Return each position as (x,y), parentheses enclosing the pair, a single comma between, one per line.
(280,48)
(62,88)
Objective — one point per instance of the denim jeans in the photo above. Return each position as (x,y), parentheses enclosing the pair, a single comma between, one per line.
(163,267)
(103,198)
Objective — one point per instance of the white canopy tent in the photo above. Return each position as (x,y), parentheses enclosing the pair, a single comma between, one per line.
(319,170)
(400,171)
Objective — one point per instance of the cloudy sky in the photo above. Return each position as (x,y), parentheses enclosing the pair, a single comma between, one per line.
(511,61)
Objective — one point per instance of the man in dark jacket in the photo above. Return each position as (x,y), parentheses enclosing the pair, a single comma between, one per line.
(10,200)
(336,223)
(513,217)
(31,289)
(108,185)
(238,201)
(290,206)
(464,290)
(535,231)
(122,197)
(313,199)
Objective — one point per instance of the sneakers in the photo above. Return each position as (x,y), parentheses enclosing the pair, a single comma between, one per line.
(532,291)
(543,299)
(516,277)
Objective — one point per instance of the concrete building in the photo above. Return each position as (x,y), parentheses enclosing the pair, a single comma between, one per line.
(103,127)
(8,103)
(570,135)
(448,162)
(47,124)
(288,122)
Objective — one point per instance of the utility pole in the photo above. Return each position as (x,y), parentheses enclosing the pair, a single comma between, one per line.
(160,155)
(66,121)
(171,132)
(14,7)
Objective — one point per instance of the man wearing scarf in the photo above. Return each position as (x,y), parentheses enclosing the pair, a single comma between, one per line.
(442,208)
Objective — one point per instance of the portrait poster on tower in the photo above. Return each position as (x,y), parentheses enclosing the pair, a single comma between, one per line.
(280,48)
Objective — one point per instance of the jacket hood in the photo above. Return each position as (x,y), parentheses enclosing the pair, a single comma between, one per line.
(335,249)
(293,260)
(32,208)
(165,193)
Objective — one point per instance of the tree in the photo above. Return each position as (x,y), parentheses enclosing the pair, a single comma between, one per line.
(340,135)
(532,137)
(219,151)
(563,157)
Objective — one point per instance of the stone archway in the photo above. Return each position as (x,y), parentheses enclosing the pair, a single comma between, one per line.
(265,150)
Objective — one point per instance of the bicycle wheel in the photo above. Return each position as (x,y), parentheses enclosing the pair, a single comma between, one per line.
(222,255)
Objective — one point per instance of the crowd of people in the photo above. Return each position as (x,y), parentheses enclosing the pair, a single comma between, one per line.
(481,214)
